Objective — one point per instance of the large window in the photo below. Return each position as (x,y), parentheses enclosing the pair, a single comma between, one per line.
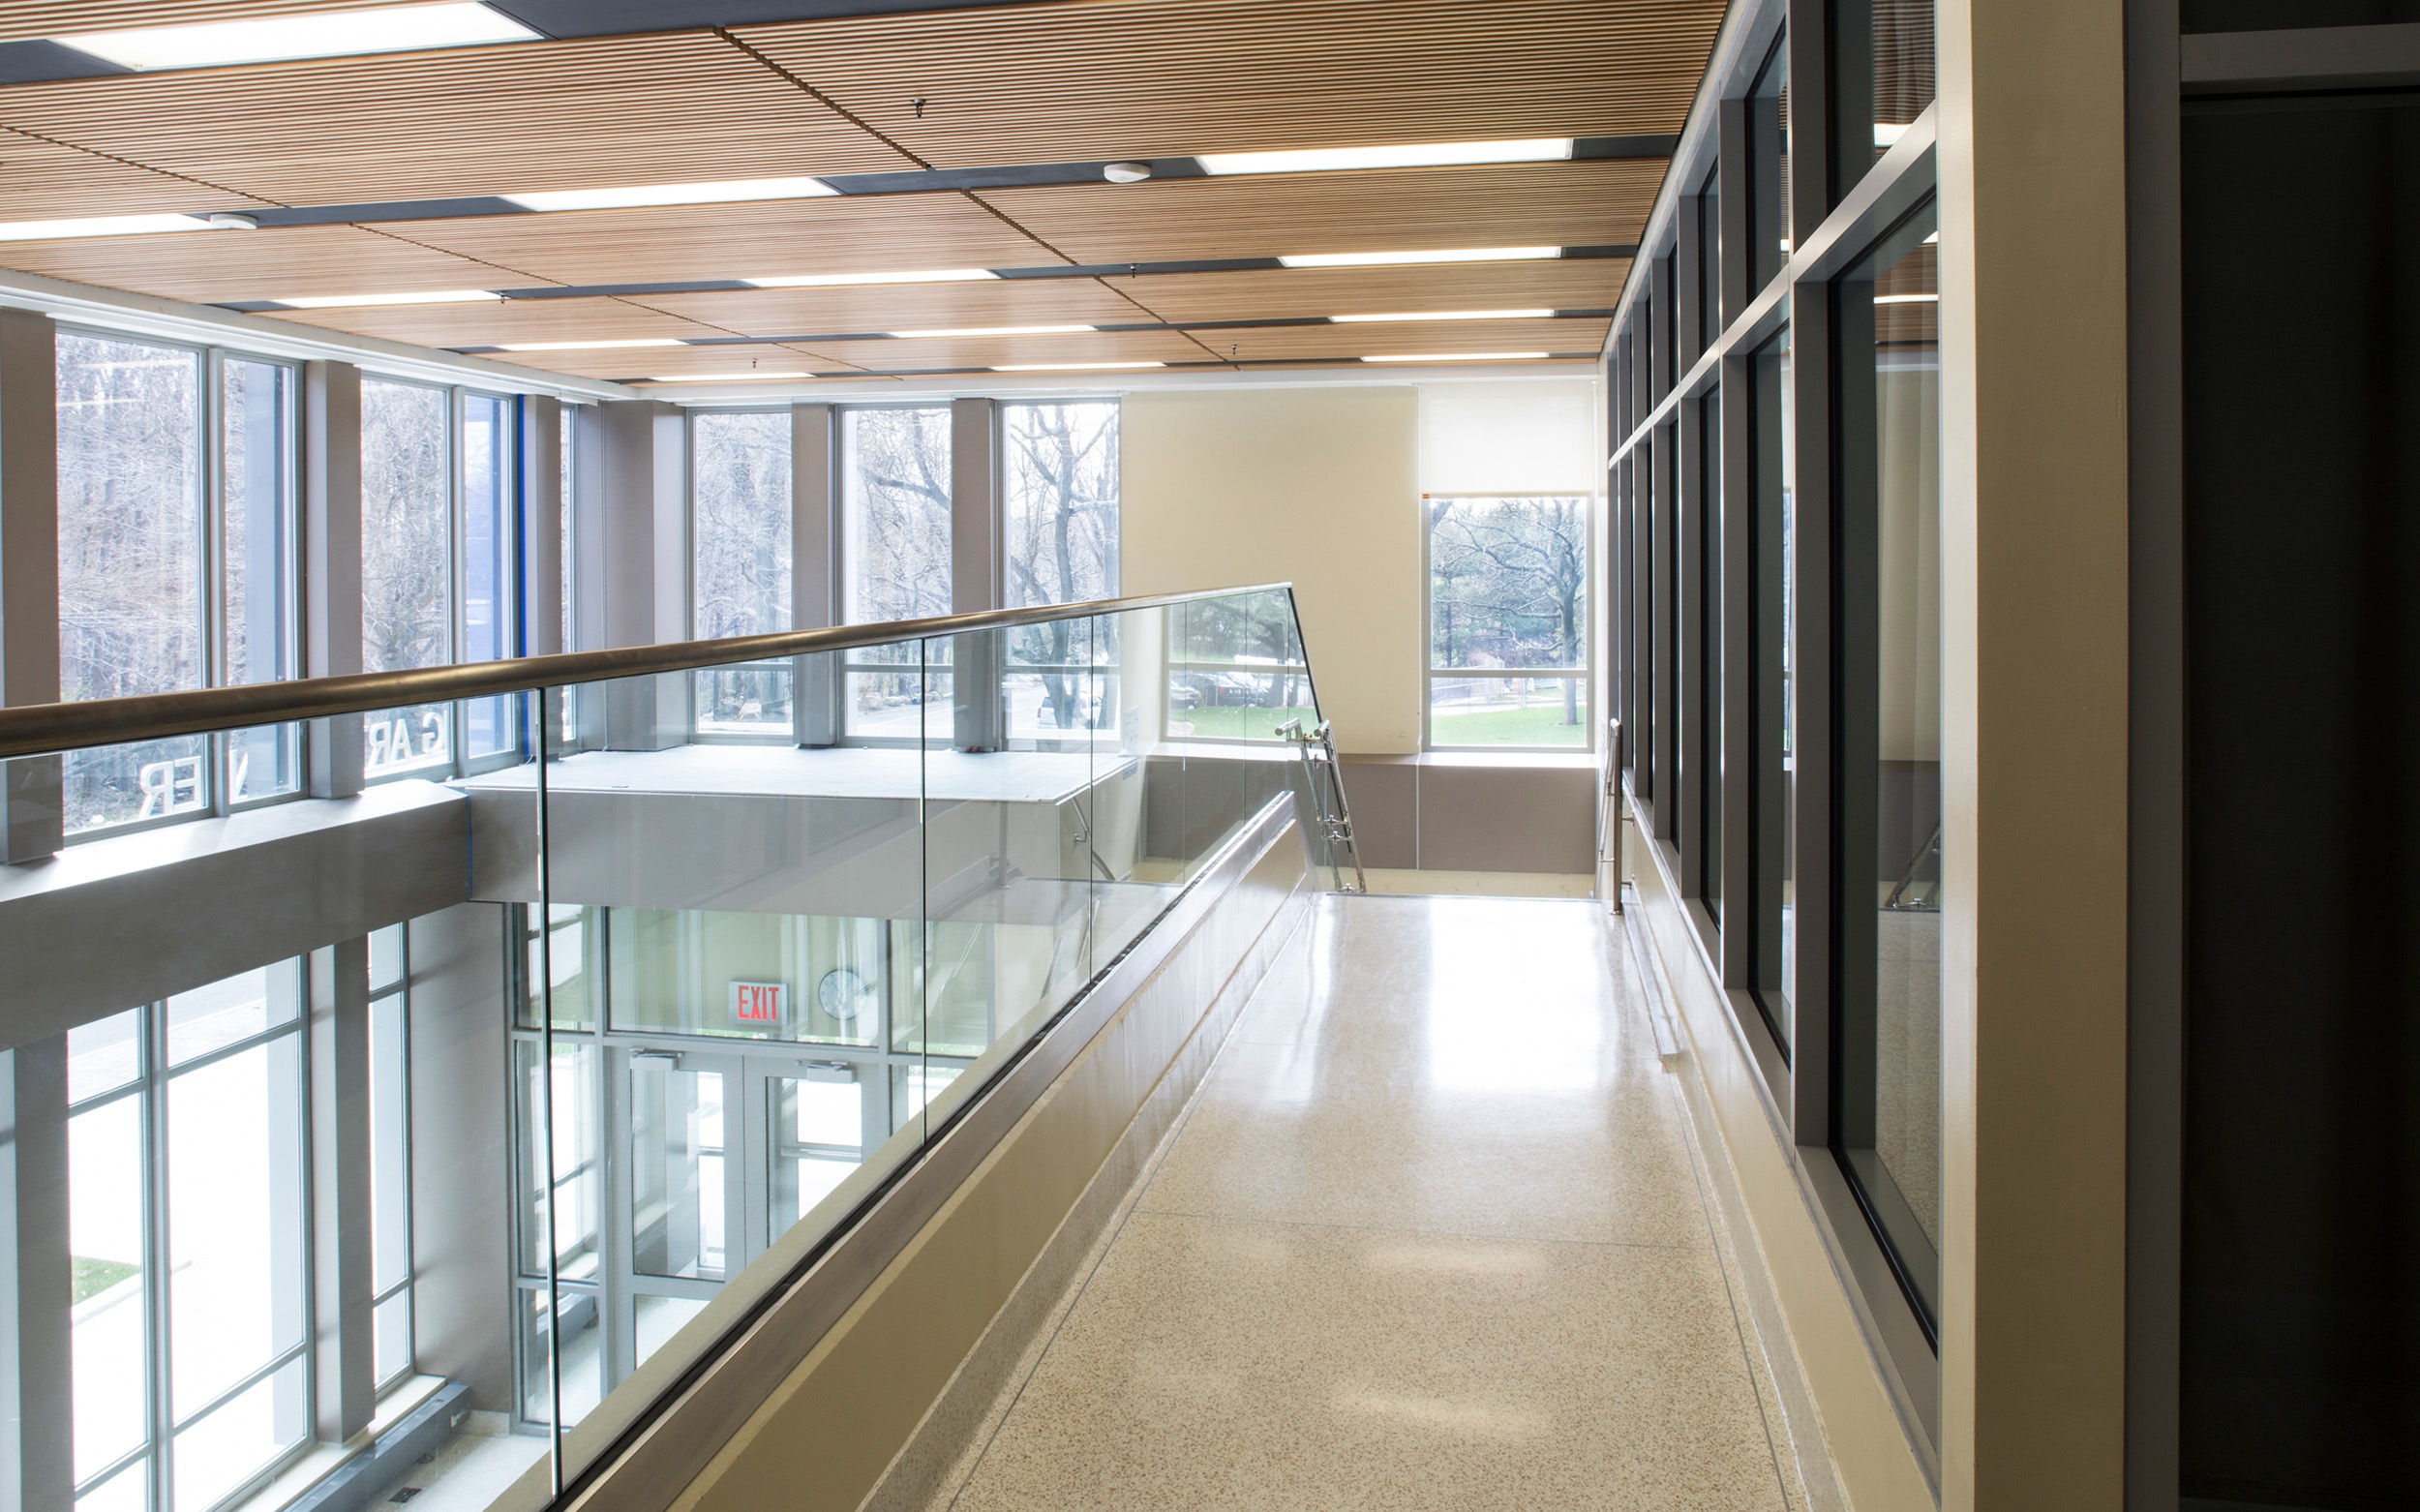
(1060,465)
(1508,621)
(186,1226)
(894,469)
(439,558)
(161,590)
(740,578)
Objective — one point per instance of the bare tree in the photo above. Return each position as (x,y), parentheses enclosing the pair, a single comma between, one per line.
(1061,546)
(1508,585)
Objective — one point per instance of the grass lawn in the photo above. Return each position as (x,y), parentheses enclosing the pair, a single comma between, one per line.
(1539,724)
(95,1277)
(1235,724)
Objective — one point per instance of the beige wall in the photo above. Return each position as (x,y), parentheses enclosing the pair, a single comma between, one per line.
(1316,486)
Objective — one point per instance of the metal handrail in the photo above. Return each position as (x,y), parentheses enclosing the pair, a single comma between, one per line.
(35,729)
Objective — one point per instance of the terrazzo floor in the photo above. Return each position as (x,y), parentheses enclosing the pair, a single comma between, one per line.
(1432,1235)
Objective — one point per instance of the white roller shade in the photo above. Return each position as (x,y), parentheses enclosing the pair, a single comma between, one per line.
(1509,439)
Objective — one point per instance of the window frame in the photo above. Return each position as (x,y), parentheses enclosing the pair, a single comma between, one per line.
(698,734)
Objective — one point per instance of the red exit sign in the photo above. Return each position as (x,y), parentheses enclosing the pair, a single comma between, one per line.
(754,1003)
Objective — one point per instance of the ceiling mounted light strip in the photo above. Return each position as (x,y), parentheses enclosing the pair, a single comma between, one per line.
(597,346)
(1422,155)
(103,226)
(1461,356)
(1449,314)
(281,39)
(1391,259)
(1072,367)
(1001,330)
(433,296)
(857,280)
(635,197)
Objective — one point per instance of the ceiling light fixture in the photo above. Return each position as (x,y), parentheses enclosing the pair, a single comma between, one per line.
(1001,330)
(752,376)
(433,296)
(1449,315)
(631,341)
(1907,299)
(1461,356)
(1126,172)
(1070,367)
(1886,134)
(231,221)
(101,226)
(326,34)
(854,280)
(1386,260)
(636,196)
(1421,155)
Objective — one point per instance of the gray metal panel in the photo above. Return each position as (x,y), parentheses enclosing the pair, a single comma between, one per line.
(542,526)
(1507,818)
(134,919)
(1383,792)
(36,1445)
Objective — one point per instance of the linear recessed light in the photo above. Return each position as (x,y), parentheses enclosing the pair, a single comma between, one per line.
(1384,259)
(630,341)
(1070,367)
(326,34)
(751,377)
(431,296)
(1461,356)
(1907,299)
(712,192)
(1419,155)
(102,226)
(1001,330)
(1449,315)
(851,280)
(1886,134)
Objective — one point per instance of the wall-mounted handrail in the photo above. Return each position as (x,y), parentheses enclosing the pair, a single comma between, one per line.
(34,729)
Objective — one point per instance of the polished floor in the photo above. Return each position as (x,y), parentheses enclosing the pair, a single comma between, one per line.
(1433,1234)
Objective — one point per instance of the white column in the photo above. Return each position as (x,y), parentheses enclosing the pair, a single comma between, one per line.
(331,464)
(30,798)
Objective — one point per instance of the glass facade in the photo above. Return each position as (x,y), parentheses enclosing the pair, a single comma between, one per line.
(740,569)
(894,543)
(1508,623)
(1777,510)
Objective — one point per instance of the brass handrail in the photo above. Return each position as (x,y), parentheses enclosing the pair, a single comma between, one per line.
(32,729)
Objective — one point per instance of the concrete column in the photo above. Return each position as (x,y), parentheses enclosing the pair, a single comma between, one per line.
(2035,704)
(31,814)
(641,503)
(331,553)
(542,543)
(339,1187)
(586,546)
(36,1440)
(975,572)
(815,568)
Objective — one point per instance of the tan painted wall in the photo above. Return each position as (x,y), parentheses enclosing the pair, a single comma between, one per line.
(2034,703)
(1316,486)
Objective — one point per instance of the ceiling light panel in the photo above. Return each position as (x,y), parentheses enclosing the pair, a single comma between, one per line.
(323,34)
(540,323)
(1448,315)
(427,297)
(869,308)
(1072,367)
(751,376)
(81,226)
(1461,356)
(1331,160)
(1591,204)
(541,115)
(1397,260)
(999,330)
(718,191)
(869,280)
(596,345)
(1154,78)
(1075,347)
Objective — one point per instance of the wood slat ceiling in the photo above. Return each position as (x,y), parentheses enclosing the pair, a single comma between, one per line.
(509,320)
(1103,79)
(218,266)
(470,121)
(759,240)
(1413,337)
(991,352)
(1570,284)
(1552,204)
(790,312)
(45,181)
(20,19)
